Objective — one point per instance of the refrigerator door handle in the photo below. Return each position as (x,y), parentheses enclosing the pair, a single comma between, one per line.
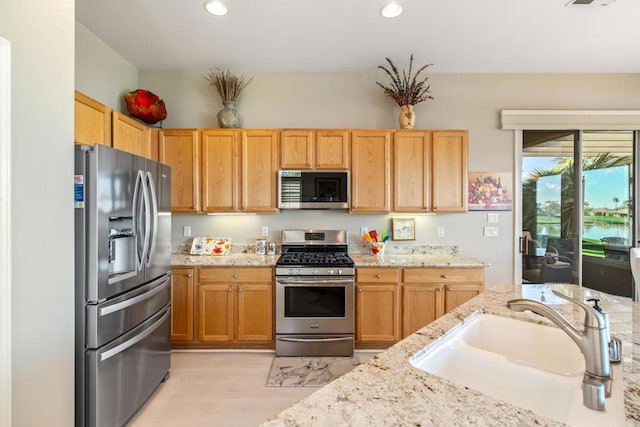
(133,341)
(153,217)
(137,212)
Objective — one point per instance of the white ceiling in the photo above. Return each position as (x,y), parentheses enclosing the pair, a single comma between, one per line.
(477,36)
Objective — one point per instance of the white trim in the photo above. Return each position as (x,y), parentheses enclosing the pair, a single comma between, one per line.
(570,119)
(5,232)
(517,205)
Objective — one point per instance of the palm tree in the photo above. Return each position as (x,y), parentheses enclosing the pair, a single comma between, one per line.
(564,168)
(615,203)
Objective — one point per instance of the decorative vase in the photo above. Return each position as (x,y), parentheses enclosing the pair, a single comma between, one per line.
(228,116)
(407,117)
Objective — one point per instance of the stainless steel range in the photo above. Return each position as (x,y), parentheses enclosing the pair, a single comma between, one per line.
(315,294)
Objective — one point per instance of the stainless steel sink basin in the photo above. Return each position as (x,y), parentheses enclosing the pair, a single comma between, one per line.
(533,366)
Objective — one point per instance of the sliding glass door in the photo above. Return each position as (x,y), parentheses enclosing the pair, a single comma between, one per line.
(577,208)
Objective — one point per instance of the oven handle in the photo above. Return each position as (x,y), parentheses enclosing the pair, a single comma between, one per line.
(315,281)
(316,339)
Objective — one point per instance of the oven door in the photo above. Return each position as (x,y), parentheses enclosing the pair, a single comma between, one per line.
(315,305)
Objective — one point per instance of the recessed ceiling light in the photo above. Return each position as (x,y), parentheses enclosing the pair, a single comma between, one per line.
(216,8)
(391,10)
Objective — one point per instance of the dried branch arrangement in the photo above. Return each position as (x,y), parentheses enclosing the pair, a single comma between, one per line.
(405,89)
(228,84)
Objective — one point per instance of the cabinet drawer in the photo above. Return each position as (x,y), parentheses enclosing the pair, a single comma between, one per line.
(235,275)
(443,275)
(377,275)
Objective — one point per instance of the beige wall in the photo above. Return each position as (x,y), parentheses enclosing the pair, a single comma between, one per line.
(101,73)
(291,99)
(42,45)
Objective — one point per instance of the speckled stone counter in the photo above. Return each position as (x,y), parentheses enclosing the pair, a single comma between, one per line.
(388,391)
(251,260)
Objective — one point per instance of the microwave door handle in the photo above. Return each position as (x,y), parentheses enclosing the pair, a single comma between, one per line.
(153,217)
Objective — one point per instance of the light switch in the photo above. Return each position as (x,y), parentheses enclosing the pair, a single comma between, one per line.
(265,231)
(440,231)
(186,231)
(490,231)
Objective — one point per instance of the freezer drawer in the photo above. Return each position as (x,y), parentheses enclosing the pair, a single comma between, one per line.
(114,317)
(123,374)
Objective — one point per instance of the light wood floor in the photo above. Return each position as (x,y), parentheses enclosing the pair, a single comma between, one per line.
(219,389)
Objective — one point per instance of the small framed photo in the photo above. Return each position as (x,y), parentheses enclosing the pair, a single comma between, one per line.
(404,228)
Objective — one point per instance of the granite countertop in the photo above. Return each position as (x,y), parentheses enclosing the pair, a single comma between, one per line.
(252,260)
(388,391)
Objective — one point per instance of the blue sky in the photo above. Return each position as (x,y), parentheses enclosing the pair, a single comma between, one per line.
(601,185)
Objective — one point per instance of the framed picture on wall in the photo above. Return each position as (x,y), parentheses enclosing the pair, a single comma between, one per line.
(490,191)
(404,228)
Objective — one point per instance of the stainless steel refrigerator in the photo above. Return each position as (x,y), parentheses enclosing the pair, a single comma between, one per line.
(122,282)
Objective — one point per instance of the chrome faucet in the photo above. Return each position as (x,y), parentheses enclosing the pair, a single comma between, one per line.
(592,341)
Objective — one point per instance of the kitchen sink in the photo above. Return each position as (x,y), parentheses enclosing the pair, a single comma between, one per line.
(532,366)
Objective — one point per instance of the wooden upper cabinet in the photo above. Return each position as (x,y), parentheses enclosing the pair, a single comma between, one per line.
(92,121)
(449,170)
(297,149)
(179,148)
(370,171)
(309,149)
(411,171)
(259,169)
(131,136)
(332,149)
(220,170)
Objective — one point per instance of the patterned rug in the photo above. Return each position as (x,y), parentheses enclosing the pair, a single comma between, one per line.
(308,371)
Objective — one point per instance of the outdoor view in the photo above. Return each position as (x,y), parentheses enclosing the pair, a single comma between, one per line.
(548,208)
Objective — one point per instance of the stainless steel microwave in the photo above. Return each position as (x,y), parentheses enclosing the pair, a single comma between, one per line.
(313,189)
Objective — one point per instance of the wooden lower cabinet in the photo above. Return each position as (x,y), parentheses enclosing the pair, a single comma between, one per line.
(182,304)
(377,308)
(233,308)
(428,293)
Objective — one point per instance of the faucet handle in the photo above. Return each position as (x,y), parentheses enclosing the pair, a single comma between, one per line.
(592,318)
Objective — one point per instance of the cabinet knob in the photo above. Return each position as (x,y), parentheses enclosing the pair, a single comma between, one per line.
(449,289)
(438,289)
(378,276)
(189,275)
(319,165)
(235,275)
(239,289)
(230,290)
(359,289)
(444,276)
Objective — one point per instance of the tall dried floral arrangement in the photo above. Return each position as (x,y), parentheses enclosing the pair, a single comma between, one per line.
(228,84)
(406,89)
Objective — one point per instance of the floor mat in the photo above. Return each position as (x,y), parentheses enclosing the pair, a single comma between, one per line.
(308,371)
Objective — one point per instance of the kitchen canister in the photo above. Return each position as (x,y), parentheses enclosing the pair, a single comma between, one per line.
(271,248)
(261,246)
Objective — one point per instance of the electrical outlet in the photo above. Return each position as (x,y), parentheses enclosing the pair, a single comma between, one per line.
(490,231)
(440,231)
(265,231)
(492,218)
(186,231)
(363,230)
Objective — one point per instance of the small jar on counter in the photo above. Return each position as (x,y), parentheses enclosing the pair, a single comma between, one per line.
(261,246)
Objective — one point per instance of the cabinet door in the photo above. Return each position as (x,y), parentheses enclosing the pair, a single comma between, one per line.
(377,313)
(421,305)
(92,121)
(370,171)
(215,312)
(458,294)
(179,149)
(131,136)
(220,163)
(182,304)
(332,149)
(296,149)
(259,169)
(449,171)
(411,171)
(254,312)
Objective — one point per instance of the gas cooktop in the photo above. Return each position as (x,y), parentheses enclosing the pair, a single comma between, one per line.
(337,259)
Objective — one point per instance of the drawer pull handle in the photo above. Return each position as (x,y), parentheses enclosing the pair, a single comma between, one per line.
(378,276)
(235,275)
